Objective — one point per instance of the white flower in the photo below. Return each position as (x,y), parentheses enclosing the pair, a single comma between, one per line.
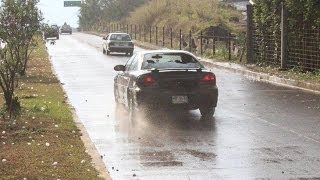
(47,144)
(29,144)
(83,161)
(4,160)
(3,132)
(56,125)
(33,118)
(55,163)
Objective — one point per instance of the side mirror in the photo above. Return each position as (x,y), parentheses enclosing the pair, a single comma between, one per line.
(119,68)
(104,38)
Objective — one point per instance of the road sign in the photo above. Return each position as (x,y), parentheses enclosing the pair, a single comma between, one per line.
(72,3)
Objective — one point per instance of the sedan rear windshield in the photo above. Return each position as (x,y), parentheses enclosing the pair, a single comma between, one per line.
(120,37)
(169,60)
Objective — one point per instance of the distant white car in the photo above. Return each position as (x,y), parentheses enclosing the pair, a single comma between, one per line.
(118,42)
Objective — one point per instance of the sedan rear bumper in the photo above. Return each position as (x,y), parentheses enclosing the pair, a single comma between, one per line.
(155,98)
(120,49)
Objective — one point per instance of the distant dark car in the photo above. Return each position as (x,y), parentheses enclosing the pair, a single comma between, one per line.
(52,32)
(165,79)
(118,42)
(66,29)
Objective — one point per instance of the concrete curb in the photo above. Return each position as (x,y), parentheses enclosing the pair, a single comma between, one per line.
(257,76)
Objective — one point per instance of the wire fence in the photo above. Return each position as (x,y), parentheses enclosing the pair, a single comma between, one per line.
(302,44)
(304,48)
(208,43)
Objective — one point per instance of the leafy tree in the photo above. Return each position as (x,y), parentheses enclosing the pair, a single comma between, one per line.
(19,22)
(94,13)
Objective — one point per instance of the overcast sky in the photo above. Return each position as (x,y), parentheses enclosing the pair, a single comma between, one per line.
(54,12)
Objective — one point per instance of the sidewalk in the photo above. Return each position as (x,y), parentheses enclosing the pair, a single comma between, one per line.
(247,72)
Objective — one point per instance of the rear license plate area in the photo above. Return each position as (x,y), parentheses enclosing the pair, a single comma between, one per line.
(180,99)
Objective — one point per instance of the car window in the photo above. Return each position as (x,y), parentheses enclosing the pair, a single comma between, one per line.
(134,64)
(120,37)
(129,62)
(169,60)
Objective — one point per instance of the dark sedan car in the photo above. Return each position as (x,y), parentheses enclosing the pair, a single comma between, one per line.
(165,79)
(51,32)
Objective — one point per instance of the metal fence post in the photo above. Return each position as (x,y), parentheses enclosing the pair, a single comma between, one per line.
(201,48)
(190,41)
(284,37)
(156,35)
(135,32)
(163,43)
(150,34)
(145,33)
(250,52)
(171,35)
(180,39)
(229,46)
(213,45)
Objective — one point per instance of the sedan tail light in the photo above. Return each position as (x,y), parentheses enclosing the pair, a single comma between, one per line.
(146,80)
(208,78)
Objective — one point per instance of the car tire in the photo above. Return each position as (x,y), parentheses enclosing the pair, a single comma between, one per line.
(57,37)
(103,51)
(132,110)
(108,52)
(207,112)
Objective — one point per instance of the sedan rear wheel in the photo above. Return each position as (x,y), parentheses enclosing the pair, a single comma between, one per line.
(108,52)
(103,51)
(207,112)
(132,110)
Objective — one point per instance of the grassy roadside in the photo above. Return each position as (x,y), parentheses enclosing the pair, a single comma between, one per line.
(294,74)
(44,143)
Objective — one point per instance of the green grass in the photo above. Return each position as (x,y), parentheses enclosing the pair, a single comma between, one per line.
(45,118)
(293,73)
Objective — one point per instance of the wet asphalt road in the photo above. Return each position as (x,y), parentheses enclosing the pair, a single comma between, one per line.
(259,130)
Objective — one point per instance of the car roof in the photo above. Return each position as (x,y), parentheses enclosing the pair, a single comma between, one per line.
(164,51)
(118,33)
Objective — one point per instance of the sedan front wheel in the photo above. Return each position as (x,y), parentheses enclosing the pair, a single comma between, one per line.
(207,112)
